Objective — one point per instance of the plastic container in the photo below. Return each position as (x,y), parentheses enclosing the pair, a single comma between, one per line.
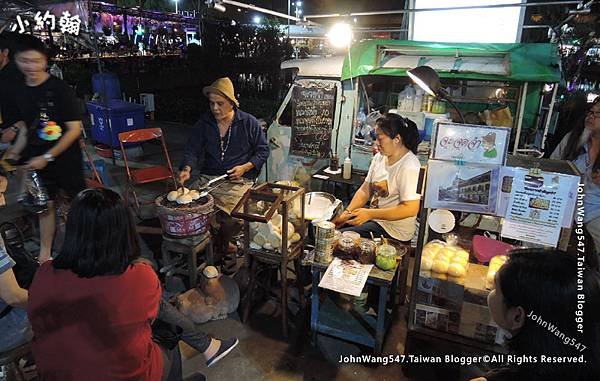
(122,116)
(107,85)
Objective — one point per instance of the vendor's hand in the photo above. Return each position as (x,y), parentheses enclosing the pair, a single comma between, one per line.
(359,216)
(342,219)
(238,171)
(37,163)
(184,175)
(8,135)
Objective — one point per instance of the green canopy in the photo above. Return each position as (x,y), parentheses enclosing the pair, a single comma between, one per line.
(522,62)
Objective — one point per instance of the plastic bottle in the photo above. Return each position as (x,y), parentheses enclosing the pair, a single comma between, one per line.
(418,101)
(408,97)
(347,167)
(361,119)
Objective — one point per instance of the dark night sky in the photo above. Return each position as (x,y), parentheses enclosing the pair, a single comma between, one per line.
(330,6)
(314,7)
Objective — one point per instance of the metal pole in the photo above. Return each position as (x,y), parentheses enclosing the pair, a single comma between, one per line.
(413,10)
(521,22)
(549,117)
(520,120)
(176,9)
(288,20)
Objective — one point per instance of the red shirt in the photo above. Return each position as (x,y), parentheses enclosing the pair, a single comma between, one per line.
(95,328)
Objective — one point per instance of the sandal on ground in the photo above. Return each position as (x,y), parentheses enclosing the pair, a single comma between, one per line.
(226,347)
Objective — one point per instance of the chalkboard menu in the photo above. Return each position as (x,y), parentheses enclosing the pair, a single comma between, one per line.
(313,109)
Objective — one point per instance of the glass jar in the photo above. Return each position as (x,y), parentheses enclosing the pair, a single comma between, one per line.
(354,235)
(367,252)
(345,248)
(386,257)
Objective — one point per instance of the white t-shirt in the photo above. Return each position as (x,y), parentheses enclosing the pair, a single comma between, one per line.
(391,185)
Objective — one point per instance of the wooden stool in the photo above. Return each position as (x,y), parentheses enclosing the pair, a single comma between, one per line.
(12,357)
(190,247)
(269,258)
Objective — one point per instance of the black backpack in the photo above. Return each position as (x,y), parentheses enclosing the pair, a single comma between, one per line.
(25,264)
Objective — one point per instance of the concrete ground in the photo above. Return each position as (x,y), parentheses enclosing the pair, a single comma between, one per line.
(263,354)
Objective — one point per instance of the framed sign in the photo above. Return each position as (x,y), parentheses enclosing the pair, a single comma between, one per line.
(469,188)
(539,204)
(470,143)
(313,110)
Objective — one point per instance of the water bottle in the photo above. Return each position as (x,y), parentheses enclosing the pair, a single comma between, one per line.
(361,119)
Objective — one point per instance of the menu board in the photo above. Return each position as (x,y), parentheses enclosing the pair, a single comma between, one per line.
(313,110)
(537,205)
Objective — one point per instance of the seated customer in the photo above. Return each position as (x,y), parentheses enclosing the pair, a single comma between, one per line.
(92,307)
(390,185)
(534,291)
(13,301)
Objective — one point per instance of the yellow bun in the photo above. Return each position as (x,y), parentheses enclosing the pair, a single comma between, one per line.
(457,270)
(439,276)
(498,261)
(489,279)
(460,263)
(426,263)
(443,257)
(428,251)
(448,252)
(434,246)
(440,266)
(463,255)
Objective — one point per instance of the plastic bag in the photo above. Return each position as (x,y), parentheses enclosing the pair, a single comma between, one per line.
(33,196)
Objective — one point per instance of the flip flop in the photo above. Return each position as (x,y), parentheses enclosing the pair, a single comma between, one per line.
(226,347)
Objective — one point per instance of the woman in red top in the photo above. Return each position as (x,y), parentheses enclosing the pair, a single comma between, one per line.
(92,307)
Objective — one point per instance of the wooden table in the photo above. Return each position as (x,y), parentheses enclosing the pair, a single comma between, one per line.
(352,326)
(355,181)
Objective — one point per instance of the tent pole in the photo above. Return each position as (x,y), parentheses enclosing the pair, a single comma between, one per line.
(549,117)
(520,120)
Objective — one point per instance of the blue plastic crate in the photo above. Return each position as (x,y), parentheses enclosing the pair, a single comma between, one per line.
(107,85)
(118,116)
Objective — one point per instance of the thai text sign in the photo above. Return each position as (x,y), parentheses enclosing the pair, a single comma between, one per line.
(313,109)
(471,143)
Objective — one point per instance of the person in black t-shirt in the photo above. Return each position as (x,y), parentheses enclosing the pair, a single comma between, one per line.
(49,110)
(11,80)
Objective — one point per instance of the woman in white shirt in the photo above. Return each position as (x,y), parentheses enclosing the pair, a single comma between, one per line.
(390,185)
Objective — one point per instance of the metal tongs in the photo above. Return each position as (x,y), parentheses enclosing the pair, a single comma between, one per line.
(209,186)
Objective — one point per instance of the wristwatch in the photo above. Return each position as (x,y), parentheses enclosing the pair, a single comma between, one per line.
(49,157)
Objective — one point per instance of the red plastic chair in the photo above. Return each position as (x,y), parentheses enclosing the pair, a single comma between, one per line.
(148,174)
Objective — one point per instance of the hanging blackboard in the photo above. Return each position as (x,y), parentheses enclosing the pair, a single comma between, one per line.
(313,109)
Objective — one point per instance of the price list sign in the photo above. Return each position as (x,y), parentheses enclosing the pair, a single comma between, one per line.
(536,207)
(313,109)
